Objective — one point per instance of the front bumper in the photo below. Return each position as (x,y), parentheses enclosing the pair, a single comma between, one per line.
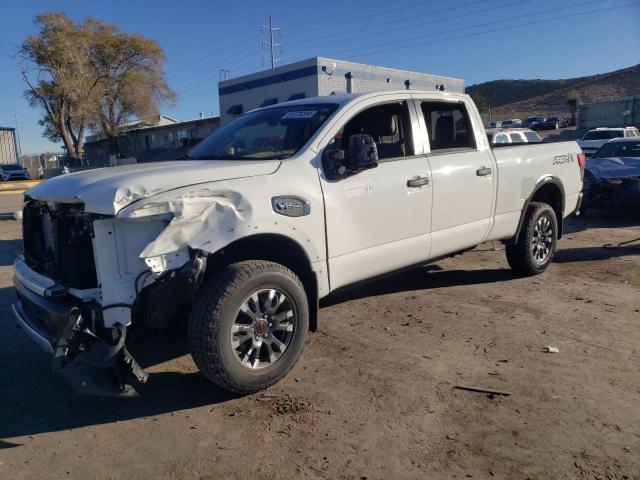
(92,361)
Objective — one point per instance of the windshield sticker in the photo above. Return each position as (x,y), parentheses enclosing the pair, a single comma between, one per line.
(300,114)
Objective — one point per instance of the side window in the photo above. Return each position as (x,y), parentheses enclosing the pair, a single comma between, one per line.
(388,124)
(502,138)
(448,125)
(532,137)
(516,138)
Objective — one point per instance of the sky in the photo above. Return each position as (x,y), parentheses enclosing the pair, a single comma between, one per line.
(476,40)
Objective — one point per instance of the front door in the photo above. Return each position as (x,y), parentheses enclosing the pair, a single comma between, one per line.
(378,220)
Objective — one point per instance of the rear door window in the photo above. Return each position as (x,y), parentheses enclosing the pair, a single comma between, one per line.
(448,125)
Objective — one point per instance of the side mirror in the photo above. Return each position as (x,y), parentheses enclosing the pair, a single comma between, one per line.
(362,155)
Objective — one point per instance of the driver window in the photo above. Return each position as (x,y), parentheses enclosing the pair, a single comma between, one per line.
(388,124)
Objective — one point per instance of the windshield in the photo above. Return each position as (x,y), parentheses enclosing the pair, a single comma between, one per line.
(265,134)
(603,134)
(618,149)
(11,167)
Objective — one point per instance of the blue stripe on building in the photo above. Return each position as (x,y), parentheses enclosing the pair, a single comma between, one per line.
(273,79)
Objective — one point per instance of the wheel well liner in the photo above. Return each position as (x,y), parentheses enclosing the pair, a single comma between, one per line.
(550,191)
(275,248)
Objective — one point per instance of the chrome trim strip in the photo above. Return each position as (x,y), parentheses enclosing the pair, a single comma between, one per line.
(32,280)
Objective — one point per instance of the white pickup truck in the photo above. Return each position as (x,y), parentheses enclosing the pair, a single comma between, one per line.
(270,213)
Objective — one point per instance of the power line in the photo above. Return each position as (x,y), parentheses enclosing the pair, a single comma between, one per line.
(573,15)
(405,27)
(477,25)
(373,26)
(511,27)
(303,25)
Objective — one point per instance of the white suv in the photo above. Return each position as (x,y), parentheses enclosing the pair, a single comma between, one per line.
(13,172)
(499,136)
(594,139)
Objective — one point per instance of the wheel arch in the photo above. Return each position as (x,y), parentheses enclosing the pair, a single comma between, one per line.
(548,190)
(276,248)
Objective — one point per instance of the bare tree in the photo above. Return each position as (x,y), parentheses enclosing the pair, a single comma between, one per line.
(131,78)
(90,75)
(60,78)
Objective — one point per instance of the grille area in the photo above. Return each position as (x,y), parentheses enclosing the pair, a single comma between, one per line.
(57,243)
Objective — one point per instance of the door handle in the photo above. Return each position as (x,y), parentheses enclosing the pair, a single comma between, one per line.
(417,182)
(481,172)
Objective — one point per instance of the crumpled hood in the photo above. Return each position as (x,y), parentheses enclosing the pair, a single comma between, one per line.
(614,167)
(108,190)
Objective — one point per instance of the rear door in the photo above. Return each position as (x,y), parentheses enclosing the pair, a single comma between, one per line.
(463,174)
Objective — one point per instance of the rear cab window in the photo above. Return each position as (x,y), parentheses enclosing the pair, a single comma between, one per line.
(603,134)
(448,125)
(516,138)
(532,137)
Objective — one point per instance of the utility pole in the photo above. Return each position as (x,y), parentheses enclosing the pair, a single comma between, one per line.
(17,137)
(272,46)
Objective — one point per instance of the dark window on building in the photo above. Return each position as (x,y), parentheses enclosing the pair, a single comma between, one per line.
(235,110)
(269,101)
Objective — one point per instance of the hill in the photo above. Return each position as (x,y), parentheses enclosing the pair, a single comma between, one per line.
(521,98)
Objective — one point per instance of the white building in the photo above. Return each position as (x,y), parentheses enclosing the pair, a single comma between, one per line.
(317,77)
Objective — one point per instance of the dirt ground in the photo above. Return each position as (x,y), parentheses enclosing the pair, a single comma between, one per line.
(373,393)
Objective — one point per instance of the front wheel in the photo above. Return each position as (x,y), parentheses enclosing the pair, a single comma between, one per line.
(248,325)
(536,243)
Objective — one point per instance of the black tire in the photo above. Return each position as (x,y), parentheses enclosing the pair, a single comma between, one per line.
(215,310)
(521,255)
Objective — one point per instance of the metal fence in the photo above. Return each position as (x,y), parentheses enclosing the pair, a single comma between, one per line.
(620,112)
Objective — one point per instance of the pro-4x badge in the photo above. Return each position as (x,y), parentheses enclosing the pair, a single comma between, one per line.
(290,206)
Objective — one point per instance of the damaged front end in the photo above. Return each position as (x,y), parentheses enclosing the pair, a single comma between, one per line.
(94,360)
(82,286)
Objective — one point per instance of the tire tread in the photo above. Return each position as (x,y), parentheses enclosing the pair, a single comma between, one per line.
(209,306)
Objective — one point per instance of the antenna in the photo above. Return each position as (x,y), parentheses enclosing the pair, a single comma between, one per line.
(272,46)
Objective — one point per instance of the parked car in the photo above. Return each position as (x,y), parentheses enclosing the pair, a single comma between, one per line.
(13,172)
(552,123)
(242,240)
(531,121)
(612,176)
(596,138)
(497,124)
(513,123)
(499,136)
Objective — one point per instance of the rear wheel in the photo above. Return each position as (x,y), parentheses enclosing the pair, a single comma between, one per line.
(536,244)
(248,325)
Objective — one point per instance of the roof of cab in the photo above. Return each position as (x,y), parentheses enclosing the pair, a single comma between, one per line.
(344,98)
